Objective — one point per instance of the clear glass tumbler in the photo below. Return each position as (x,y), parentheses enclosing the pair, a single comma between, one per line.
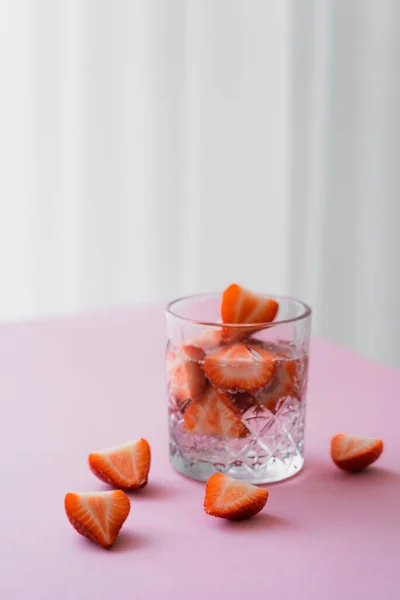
(252,430)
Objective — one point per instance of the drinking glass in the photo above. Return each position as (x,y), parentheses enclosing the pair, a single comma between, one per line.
(254,433)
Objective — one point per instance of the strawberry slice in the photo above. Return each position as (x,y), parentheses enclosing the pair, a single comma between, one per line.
(239,367)
(126,466)
(185,377)
(242,306)
(197,347)
(229,498)
(288,379)
(214,414)
(282,384)
(243,401)
(353,453)
(98,515)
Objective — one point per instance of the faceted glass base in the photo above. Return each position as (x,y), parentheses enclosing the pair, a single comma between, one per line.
(272,450)
(273,471)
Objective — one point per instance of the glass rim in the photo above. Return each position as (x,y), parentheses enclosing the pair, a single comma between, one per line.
(169,309)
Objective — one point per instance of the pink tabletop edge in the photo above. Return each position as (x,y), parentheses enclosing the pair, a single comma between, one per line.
(73,385)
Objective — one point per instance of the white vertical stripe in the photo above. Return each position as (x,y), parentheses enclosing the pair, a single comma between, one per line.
(236,144)
(17,179)
(316,163)
(71,200)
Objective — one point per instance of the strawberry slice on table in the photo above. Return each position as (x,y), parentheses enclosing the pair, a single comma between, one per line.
(353,453)
(242,306)
(185,377)
(229,498)
(98,515)
(126,466)
(239,367)
(214,414)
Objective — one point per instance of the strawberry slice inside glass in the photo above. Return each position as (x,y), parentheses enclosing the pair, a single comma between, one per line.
(236,379)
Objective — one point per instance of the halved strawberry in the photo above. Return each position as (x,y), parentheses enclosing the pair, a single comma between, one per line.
(126,466)
(98,515)
(353,453)
(242,306)
(243,401)
(239,367)
(282,384)
(197,347)
(214,414)
(185,377)
(229,498)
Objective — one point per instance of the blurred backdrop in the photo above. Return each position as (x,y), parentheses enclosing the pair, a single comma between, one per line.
(151,149)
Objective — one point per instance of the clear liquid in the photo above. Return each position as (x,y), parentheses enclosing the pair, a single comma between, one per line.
(273,418)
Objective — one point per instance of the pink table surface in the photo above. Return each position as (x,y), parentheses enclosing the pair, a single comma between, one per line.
(74,385)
